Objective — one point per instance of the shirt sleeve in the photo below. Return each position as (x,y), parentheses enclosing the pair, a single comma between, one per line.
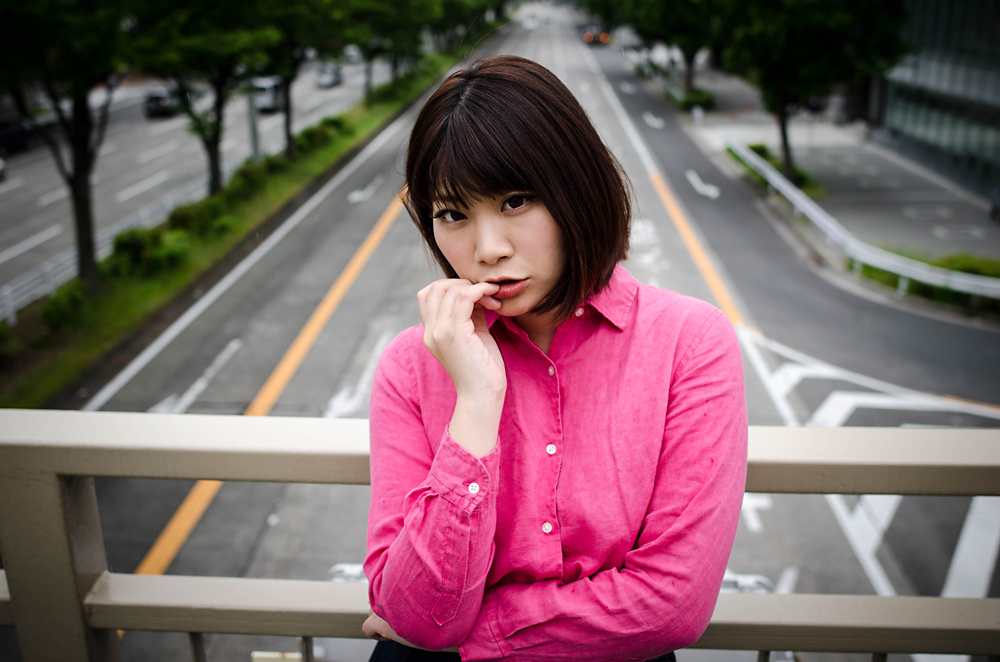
(662,597)
(432,516)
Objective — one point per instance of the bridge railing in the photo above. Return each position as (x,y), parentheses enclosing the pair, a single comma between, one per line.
(66,604)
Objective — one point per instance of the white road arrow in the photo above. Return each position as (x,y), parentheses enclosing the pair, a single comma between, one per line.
(753,502)
(362,194)
(708,190)
(653,121)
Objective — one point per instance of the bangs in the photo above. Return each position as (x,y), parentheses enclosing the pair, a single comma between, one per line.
(470,164)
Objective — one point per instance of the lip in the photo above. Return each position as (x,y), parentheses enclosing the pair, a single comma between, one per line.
(510,289)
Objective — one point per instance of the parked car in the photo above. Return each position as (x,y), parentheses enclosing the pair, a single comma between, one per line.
(352,54)
(267,94)
(161,102)
(995,203)
(328,74)
(15,136)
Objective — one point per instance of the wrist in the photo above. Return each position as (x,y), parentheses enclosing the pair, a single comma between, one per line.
(475,422)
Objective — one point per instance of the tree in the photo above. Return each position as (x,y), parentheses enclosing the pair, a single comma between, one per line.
(796,49)
(608,11)
(302,25)
(62,50)
(219,44)
(389,28)
(686,24)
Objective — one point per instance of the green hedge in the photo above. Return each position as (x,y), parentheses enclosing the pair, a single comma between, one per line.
(963,262)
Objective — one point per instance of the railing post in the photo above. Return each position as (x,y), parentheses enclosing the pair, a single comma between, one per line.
(53,553)
(198,653)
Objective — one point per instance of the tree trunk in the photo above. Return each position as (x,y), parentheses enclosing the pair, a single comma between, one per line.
(368,79)
(786,151)
(286,97)
(212,138)
(395,66)
(80,189)
(689,71)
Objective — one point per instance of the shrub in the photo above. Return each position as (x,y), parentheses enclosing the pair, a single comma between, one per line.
(970,264)
(9,344)
(147,251)
(197,217)
(223,225)
(337,123)
(313,137)
(245,182)
(275,163)
(172,251)
(64,307)
(694,98)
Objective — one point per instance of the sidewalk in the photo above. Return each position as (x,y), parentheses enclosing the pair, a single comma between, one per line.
(879,196)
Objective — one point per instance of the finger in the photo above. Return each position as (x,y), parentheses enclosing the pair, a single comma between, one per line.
(468,297)
(489,302)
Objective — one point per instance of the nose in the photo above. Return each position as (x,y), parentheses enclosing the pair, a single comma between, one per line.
(492,242)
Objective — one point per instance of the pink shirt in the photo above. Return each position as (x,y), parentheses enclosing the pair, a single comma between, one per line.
(600,526)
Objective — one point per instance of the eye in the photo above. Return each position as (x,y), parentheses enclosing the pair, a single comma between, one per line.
(450,215)
(516,202)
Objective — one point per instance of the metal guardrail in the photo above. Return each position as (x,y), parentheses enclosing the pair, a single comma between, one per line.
(861,253)
(56,577)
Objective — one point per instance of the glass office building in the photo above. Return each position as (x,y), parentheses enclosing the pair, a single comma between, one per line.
(942,101)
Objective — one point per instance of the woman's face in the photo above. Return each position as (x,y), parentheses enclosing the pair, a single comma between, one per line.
(511,239)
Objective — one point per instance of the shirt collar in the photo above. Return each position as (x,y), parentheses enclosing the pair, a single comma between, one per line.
(612,302)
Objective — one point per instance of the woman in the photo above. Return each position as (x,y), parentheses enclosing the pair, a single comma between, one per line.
(558,453)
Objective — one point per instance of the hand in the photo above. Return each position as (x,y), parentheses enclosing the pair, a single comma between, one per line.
(378,629)
(456,334)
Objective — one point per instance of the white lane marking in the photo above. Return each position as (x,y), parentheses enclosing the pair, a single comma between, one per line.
(157,152)
(787,580)
(29,243)
(626,87)
(959,232)
(194,312)
(645,255)
(752,503)
(53,196)
(350,398)
(169,125)
(178,405)
(865,526)
(362,194)
(107,148)
(653,121)
(143,186)
(271,122)
(710,191)
(11,184)
(976,553)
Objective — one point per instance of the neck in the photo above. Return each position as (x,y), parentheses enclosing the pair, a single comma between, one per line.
(540,329)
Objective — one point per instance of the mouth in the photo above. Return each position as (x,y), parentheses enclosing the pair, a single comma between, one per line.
(509,287)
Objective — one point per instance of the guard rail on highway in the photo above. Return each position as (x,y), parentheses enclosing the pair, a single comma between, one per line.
(858,251)
(57,580)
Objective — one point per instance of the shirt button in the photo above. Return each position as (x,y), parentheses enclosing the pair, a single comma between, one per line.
(552,370)
(473,487)
(551,449)
(546,528)
(579,312)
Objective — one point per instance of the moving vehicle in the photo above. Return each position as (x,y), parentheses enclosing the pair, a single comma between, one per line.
(595,35)
(267,94)
(328,74)
(161,102)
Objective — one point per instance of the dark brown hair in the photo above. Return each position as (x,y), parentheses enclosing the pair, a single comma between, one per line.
(508,124)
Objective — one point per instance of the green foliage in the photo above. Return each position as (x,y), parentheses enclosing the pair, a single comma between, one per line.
(805,181)
(197,217)
(687,24)
(64,307)
(9,344)
(963,262)
(695,97)
(275,163)
(970,264)
(245,182)
(337,123)
(147,252)
(796,49)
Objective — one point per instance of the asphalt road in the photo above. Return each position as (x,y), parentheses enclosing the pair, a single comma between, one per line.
(141,161)
(815,353)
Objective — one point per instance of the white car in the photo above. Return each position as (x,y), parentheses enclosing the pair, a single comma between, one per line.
(267,94)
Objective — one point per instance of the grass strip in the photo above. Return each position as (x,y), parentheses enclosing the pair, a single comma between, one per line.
(37,363)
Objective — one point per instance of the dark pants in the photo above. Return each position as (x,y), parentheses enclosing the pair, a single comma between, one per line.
(390,651)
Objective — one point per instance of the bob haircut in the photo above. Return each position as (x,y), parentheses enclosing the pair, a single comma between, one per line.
(506,124)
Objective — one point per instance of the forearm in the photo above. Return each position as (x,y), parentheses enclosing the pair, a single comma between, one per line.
(476,422)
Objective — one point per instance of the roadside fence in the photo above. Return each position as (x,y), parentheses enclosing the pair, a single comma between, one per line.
(858,251)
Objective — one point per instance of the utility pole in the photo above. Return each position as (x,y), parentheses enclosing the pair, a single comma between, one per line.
(252,122)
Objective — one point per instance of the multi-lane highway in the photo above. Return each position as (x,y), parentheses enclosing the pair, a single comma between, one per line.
(143,161)
(815,354)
